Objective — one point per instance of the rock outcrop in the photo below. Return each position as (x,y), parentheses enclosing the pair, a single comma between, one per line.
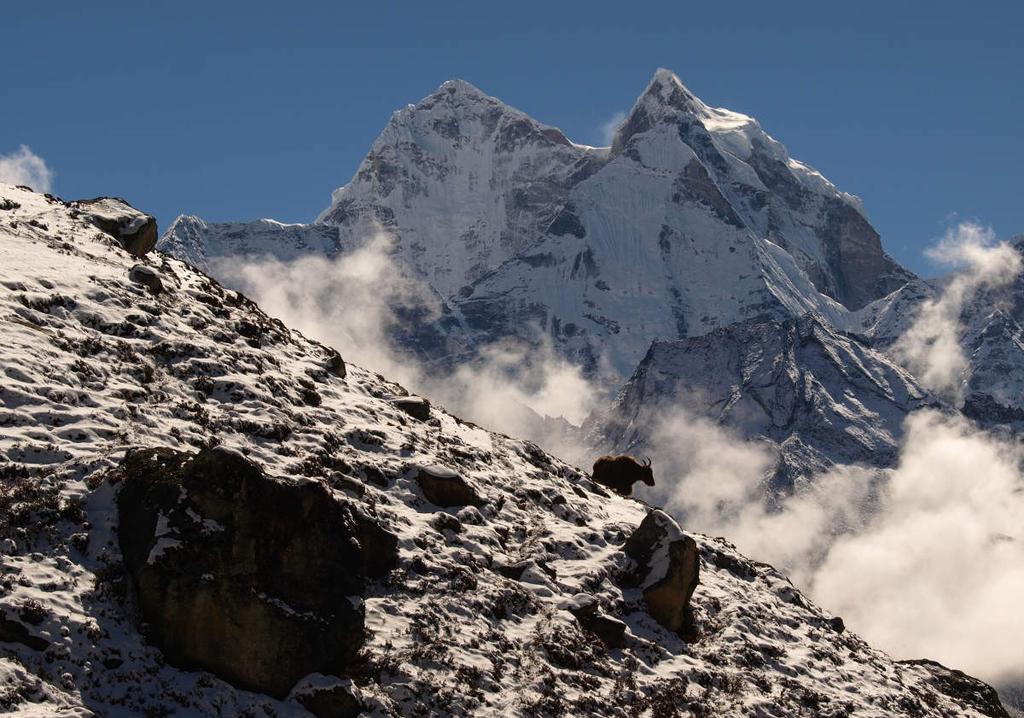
(147,277)
(668,569)
(135,230)
(242,575)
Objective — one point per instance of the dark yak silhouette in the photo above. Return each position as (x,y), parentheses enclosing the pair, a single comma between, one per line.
(619,473)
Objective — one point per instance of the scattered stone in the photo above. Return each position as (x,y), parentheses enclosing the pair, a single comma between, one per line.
(336,365)
(242,575)
(447,522)
(135,230)
(581,604)
(444,487)
(668,566)
(310,396)
(343,482)
(416,407)
(147,277)
(513,571)
(585,608)
(836,624)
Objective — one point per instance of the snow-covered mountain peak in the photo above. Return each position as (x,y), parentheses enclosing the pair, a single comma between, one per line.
(666,99)
(458,113)
(468,89)
(666,89)
(693,219)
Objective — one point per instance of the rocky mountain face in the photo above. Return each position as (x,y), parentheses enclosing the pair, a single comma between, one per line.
(991,339)
(203,512)
(822,396)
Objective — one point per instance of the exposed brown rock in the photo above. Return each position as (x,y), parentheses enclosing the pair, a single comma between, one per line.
(147,277)
(336,365)
(416,407)
(586,609)
(251,578)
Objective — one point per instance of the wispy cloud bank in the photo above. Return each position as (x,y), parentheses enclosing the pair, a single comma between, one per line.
(931,348)
(24,167)
(939,570)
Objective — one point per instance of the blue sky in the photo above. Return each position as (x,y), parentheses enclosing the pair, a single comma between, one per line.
(242,110)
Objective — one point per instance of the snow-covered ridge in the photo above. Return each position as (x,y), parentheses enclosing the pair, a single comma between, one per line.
(695,218)
(95,363)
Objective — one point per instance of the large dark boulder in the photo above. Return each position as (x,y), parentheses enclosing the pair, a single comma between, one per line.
(667,569)
(336,365)
(251,578)
(135,230)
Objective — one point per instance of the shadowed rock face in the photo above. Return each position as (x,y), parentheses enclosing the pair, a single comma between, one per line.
(253,579)
(862,270)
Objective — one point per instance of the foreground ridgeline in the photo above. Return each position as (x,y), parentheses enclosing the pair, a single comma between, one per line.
(205,513)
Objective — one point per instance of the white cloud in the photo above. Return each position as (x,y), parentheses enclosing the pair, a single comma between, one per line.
(24,167)
(356,301)
(351,302)
(610,127)
(939,571)
(931,349)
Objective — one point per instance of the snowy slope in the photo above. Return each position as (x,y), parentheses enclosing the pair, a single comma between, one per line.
(197,242)
(95,363)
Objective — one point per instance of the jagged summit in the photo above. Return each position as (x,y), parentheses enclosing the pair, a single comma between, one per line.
(463,88)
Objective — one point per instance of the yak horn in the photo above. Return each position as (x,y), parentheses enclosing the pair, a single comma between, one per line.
(647,461)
